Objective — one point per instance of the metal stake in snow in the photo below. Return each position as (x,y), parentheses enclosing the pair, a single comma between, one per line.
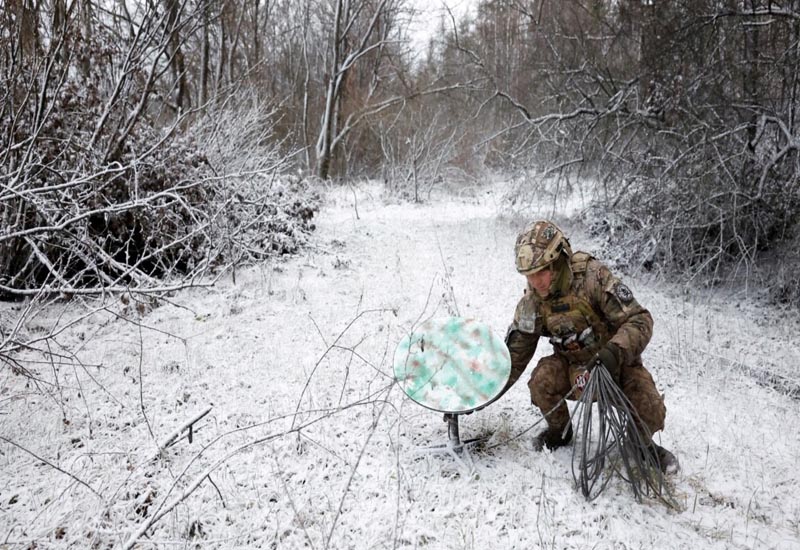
(454,366)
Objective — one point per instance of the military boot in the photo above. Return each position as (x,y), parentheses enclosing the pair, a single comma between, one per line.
(666,460)
(552,438)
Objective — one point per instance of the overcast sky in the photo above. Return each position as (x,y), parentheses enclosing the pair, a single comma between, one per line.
(431,12)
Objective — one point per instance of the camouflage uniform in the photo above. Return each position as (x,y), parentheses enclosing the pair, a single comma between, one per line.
(587,310)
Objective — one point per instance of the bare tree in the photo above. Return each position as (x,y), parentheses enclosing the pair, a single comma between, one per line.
(360,28)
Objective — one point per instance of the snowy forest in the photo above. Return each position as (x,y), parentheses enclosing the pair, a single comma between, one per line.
(220,216)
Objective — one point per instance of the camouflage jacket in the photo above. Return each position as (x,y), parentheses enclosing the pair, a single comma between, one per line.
(594,308)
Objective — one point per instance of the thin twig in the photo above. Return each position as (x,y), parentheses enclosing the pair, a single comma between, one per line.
(328,350)
(355,469)
(44,461)
(141,387)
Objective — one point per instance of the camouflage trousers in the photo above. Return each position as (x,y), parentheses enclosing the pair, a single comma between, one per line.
(553,378)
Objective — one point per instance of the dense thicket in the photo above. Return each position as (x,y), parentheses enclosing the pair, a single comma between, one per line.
(116,168)
(684,114)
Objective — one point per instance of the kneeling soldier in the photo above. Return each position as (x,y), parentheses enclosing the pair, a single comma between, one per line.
(591,318)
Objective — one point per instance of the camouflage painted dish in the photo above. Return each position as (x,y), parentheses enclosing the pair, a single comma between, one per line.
(452,365)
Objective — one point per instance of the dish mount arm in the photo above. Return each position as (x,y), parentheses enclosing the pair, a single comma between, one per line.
(452,429)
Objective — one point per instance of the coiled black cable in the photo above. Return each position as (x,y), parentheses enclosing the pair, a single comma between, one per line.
(615,441)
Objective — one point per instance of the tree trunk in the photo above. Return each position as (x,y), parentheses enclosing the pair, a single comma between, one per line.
(332,90)
(176,55)
(204,57)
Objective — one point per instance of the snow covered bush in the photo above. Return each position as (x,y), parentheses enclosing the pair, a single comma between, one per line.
(109,183)
(160,210)
(103,188)
(689,135)
(268,207)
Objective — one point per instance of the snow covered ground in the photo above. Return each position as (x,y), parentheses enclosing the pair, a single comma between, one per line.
(309,444)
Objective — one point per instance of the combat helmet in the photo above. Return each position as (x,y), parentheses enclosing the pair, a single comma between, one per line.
(539,245)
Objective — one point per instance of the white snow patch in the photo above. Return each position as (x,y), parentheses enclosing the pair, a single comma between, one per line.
(310,444)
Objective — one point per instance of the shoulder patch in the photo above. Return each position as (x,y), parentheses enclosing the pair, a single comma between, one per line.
(525,315)
(623,293)
(527,323)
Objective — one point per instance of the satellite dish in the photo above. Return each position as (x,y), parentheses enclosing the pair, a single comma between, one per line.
(452,365)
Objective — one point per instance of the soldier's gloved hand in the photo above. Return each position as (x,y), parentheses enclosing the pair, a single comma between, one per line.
(608,356)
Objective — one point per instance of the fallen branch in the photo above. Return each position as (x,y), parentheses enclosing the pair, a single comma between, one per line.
(186,425)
